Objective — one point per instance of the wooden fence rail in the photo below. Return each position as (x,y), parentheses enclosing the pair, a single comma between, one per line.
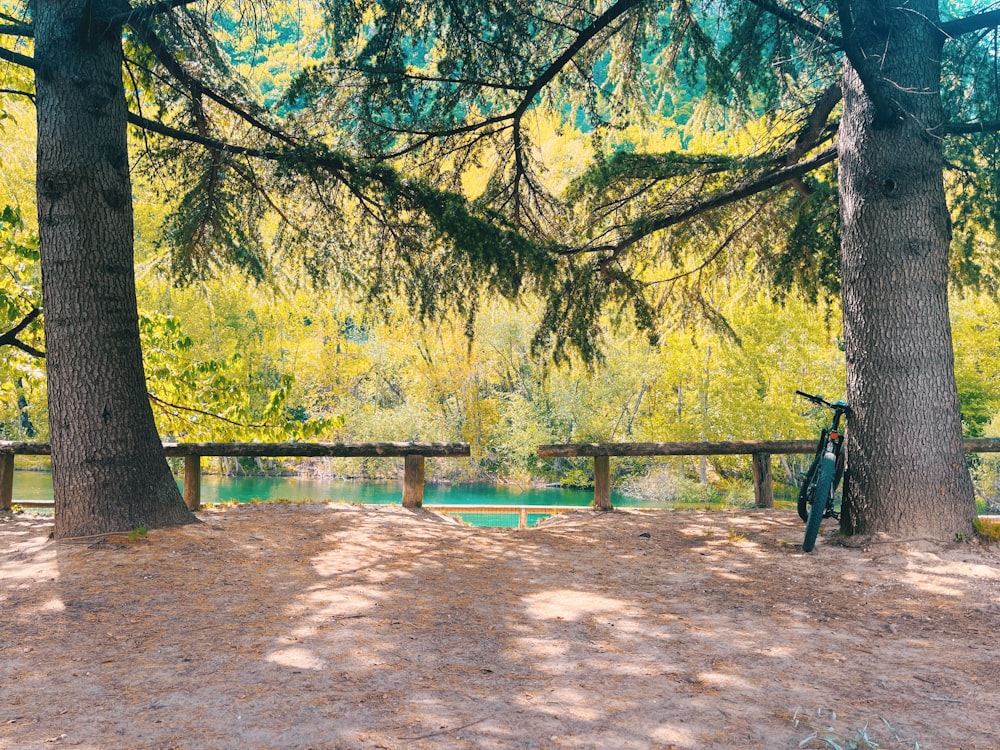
(413,455)
(759,450)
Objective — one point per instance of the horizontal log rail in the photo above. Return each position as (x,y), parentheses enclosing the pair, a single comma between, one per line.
(413,455)
(274,450)
(718,448)
(759,450)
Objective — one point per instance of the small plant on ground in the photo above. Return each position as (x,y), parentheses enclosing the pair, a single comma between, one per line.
(221,504)
(824,733)
(139,533)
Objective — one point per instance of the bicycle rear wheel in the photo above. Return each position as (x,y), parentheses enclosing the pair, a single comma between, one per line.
(820,500)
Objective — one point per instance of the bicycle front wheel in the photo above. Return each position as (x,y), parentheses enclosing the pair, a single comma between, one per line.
(820,500)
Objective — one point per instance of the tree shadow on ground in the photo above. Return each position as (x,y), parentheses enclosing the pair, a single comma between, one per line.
(324,626)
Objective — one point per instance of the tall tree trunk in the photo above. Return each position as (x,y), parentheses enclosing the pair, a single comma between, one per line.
(906,468)
(108,468)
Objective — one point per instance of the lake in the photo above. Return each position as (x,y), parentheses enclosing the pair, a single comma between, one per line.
(37,485)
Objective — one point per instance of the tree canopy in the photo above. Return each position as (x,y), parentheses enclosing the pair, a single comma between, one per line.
(696,124)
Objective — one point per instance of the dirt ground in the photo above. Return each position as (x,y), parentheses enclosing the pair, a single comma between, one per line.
(325,626)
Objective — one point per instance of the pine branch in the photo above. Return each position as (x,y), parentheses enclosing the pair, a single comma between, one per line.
(804,26)
(583,38)
(481,82)
(885,111)
(816,123)
(658,222)
(148,37)
(97,26)
(168,131)
(613,13)
(988,20)
(967,128)
(333,164)
(142,13)
(429,135)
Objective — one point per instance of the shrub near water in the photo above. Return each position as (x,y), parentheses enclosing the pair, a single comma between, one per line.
(987,530)
(668,487)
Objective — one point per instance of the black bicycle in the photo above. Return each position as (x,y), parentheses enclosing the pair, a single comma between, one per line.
(816,497)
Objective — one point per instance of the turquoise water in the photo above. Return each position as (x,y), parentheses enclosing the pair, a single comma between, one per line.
(36,485)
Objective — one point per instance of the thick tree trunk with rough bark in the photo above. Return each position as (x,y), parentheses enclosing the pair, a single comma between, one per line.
(109,471)
(907,473)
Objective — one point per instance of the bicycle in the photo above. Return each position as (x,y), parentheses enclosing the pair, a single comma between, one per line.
(816,497)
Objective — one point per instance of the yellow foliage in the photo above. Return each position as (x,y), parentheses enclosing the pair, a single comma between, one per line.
(987,529)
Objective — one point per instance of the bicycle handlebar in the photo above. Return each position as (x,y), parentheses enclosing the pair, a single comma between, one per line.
(820,401)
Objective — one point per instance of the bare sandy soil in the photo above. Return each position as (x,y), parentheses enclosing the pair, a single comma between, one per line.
(315,626)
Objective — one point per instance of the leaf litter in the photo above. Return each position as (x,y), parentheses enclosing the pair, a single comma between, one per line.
(336,626)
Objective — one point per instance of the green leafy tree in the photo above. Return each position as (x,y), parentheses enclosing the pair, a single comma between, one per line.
(243,394)
(977,361)
(20,310)
(22,400)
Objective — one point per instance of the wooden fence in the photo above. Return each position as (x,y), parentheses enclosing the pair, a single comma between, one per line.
(759,450)
(413,455)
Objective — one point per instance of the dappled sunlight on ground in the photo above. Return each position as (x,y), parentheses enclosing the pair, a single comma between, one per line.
(25,555)
(568,604)
(300,658)
(928,573)
(337,626)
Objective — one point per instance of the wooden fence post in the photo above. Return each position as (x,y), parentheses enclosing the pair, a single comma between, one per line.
(763,490)
(6,480)
(602,483)
(413,481)
(522,518)
(192,482)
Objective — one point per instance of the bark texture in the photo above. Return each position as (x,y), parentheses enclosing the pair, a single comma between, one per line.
(108,468)
(907,472)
